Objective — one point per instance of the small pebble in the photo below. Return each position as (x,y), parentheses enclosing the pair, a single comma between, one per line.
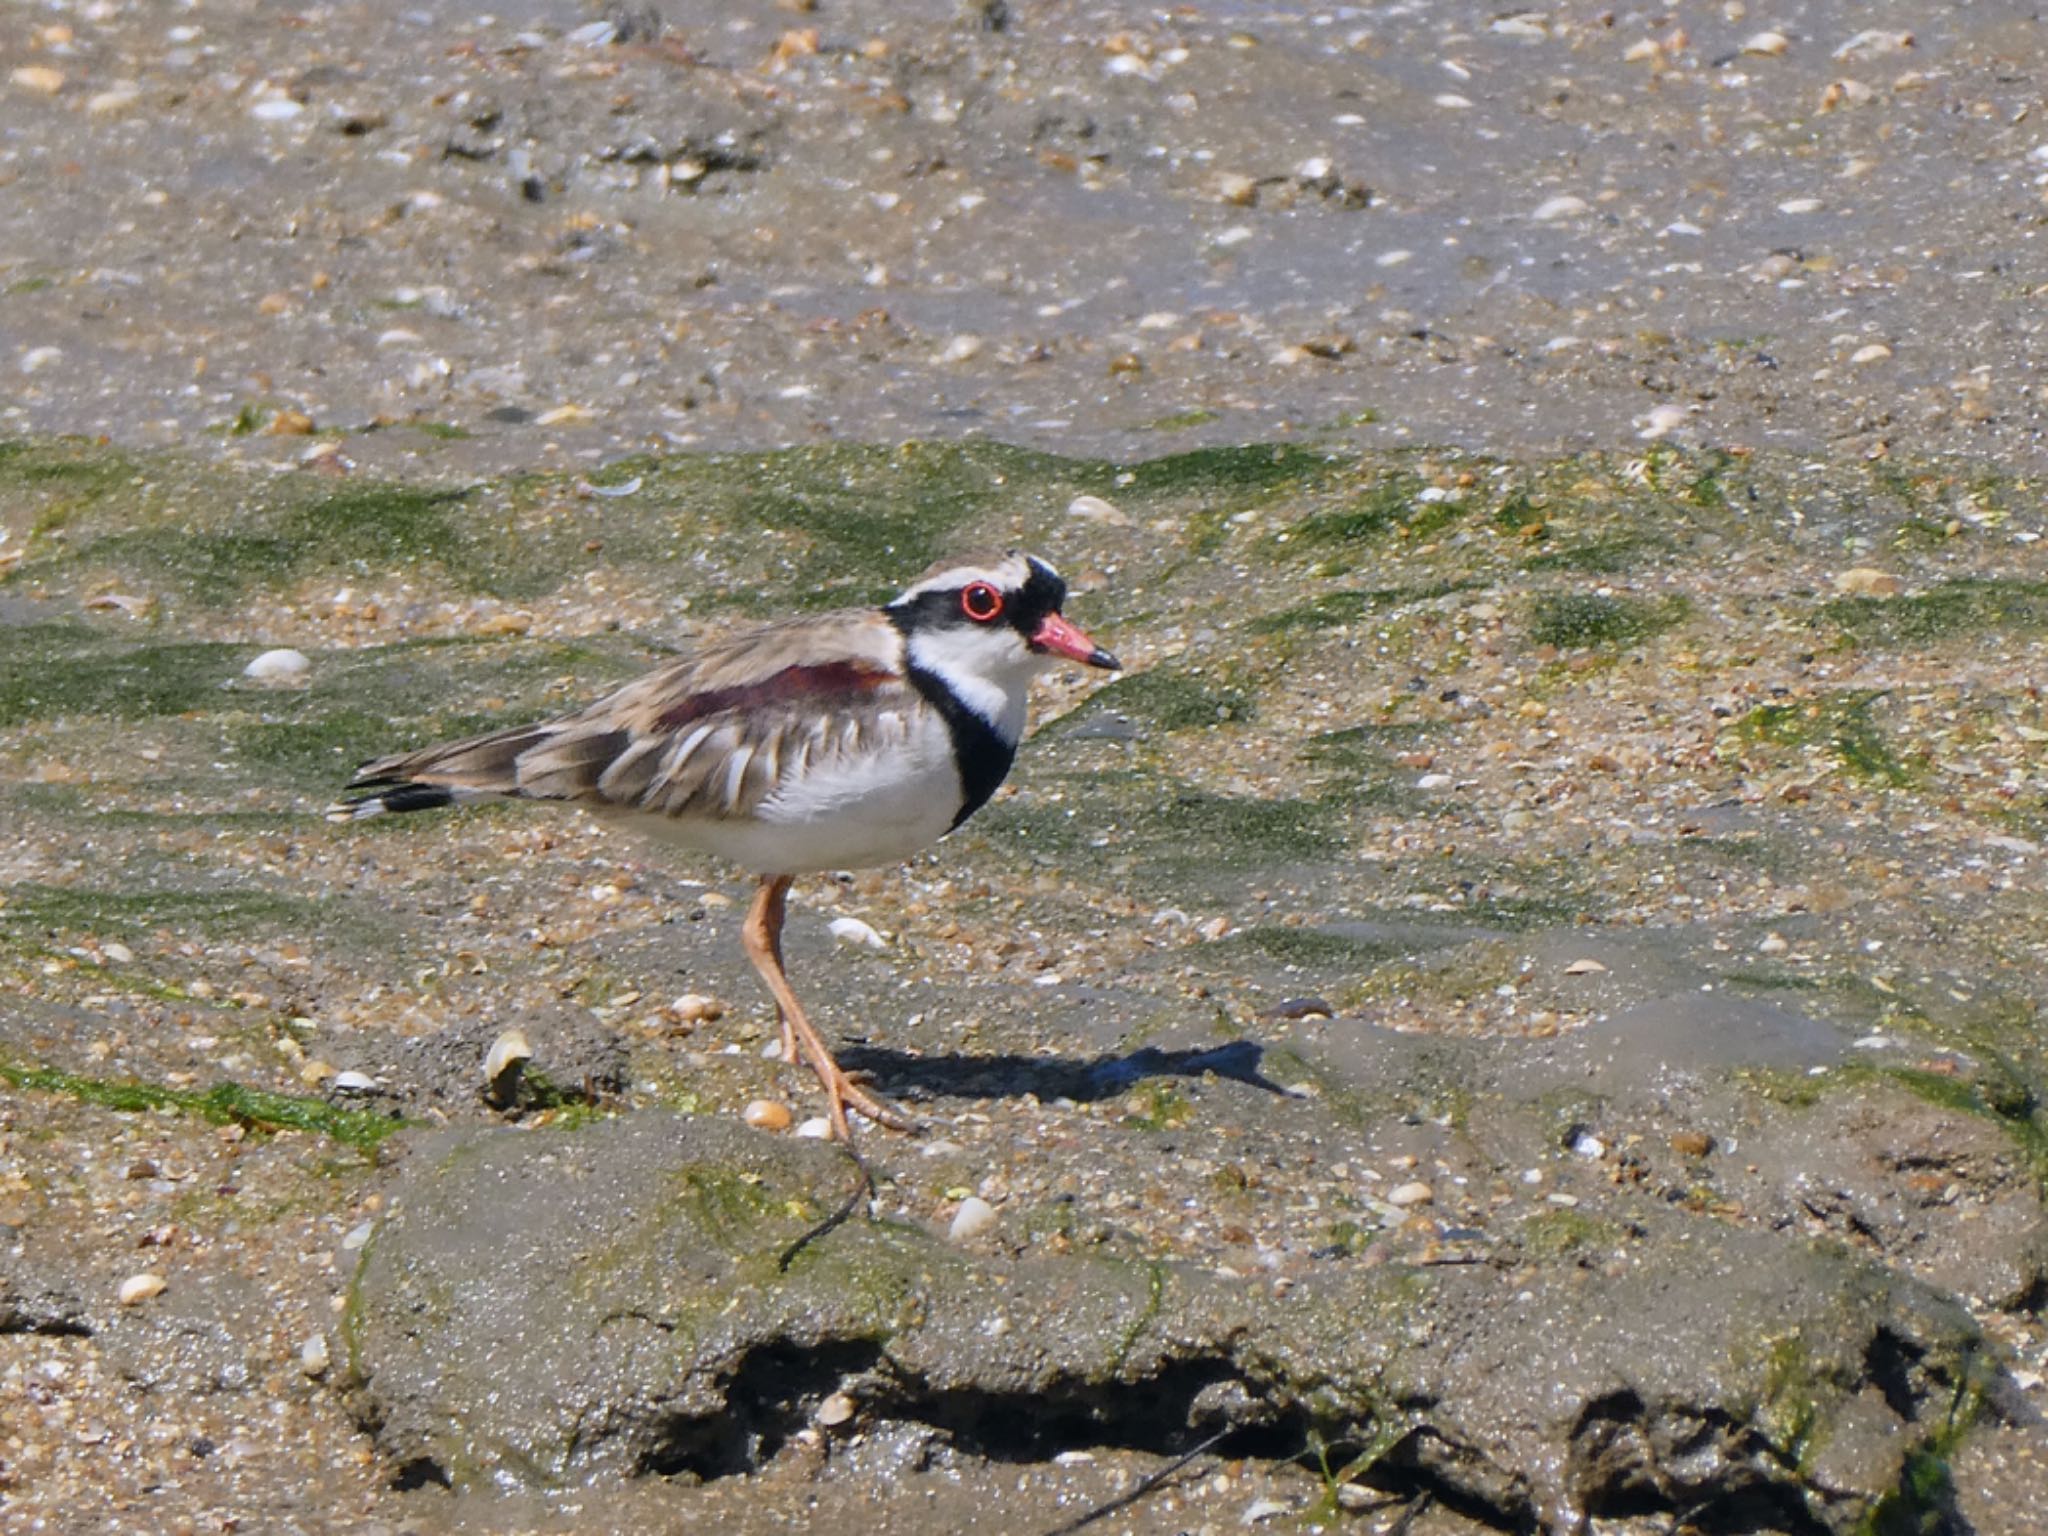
(279,669)
(1767,44)
(278,109)
(851,930)
(1863,581)
(1555,208)
(767,1115)
(1301,1008)
(139,1288)
(1586,1144)
(117,952)
(1876,352)
(975,1215)
(1415,1193)
(313,1356)
(960,349)
(1691,1143)
(1773,944)
(817,1128)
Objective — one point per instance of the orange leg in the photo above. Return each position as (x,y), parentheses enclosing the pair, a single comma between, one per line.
(762,935)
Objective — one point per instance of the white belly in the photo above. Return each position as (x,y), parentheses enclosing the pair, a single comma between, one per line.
(846,811)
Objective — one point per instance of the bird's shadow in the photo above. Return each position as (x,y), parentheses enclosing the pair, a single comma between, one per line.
(1083,1080)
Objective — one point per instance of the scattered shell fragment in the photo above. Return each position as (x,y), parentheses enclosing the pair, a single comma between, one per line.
(1865,581)
(503,1064)
(1661,421)
(35,359)
(39,78)
(139,1288)
(1564,207)
(837,1409)
(1235,188)
(570,415)
(851,930)
(1767,44)
(767,1115)
(960,349)
(817,1128)
(1875,352)
(313,1356)
(282,668)
(353,1082)
(1096,510)
(975,1215)
(1773,944)
(697,1008)
(277,109)
(1584,966)
(1413,1193)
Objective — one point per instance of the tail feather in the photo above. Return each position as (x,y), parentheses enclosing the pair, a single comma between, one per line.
(452,773)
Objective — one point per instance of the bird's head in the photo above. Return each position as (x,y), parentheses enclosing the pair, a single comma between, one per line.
(989,623)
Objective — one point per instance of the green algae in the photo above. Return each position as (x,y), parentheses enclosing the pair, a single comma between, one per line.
(1951,610)
(224,1103)
(1586,620)
(1838,723)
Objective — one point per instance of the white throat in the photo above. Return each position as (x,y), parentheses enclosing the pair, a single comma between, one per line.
(988,671)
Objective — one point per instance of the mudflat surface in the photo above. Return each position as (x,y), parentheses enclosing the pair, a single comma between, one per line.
(1566,846)
(567,231)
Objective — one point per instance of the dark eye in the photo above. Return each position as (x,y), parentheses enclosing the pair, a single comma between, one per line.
(980,601)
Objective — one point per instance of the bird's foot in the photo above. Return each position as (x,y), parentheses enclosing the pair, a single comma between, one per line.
(844,1091)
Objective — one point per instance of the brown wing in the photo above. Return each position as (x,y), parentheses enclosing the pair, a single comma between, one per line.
(709,735)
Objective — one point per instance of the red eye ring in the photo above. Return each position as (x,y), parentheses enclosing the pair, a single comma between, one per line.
(981,602)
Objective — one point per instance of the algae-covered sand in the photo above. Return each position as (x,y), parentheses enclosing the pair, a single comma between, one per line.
(1503,870)
(1518,1011)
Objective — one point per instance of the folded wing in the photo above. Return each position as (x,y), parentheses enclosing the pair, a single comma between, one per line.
(711,735)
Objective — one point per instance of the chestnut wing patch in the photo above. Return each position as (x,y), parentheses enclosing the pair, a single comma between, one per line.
(792,685)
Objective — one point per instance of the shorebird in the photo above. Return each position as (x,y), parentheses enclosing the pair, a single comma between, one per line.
(835,741)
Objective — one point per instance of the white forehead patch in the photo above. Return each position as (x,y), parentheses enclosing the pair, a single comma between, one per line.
(1007,574)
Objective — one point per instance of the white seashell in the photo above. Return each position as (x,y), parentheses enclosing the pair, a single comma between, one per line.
(1584,967)
(1564,207)
(354,1082)
(313,1356)
(975,1215)
(508,1053)
(837,1409)
(851,930)
(279,669)
(1095,509)
(278,109)
(817,1128)
(1415,1193)
(1769,44)
(139,1288)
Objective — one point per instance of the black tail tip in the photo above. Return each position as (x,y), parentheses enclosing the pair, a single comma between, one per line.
(399,798)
